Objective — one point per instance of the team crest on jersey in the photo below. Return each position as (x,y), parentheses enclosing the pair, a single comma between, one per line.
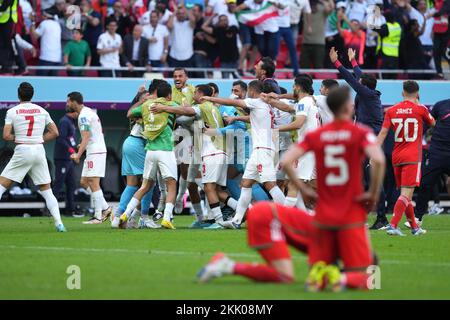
(83,120)
(300,107)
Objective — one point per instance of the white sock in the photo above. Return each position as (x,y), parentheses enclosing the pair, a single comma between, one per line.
(217,214)
(168,211)
(198,210)
(300,203)
(277,195)
(105,204)
(2,190)
(98,203)
(182,189)
(91,197)
(290,201)
(52,205)
(131,206)
(135,214)
(243,204)
(232,203)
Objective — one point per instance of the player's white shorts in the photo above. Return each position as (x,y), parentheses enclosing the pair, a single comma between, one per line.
(306,168)
(214,169)
(28,159)
(94,165)
(260,167)
(194,167)
(164,161)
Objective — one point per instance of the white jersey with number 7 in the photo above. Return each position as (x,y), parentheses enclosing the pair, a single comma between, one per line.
(29,122)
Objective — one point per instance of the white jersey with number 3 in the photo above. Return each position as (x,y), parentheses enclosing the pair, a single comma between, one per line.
(307,107)
(88,120)
(29,122)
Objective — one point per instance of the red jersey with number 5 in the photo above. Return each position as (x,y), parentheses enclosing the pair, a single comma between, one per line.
(29,122)
(339,148)
(406,119)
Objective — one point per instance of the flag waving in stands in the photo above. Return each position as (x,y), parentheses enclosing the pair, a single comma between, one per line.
(255,17)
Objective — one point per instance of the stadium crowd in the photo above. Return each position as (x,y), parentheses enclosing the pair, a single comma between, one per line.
(386,34)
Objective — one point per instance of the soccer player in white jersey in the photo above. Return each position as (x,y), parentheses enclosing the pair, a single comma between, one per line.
(326,116)
(306,120)
(260,167)
(29,123)
(94,166)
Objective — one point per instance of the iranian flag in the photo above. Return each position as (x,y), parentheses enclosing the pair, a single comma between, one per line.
(252,18)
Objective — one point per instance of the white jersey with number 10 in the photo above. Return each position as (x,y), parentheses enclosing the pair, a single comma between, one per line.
(88,120)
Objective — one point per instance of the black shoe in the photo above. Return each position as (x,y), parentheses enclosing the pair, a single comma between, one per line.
(380,224)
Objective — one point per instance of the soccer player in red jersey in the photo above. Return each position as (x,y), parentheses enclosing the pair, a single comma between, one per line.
(340,148)
(406,119)
(271,227)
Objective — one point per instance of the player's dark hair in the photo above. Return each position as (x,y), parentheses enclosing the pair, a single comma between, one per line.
(155,84)
(25,91)
(369,81)
(337,98)
(241,84)
(179,69)
(330,83)
(163,90)
(269,87)
(205,89)
(410,87)
(305,82)
(268,66)
(215,87)
(283,90)
(76,96)
(256,85)
(199,6)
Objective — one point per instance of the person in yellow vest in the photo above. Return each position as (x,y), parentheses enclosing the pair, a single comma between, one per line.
(214,158)
(8,18)
(390,34)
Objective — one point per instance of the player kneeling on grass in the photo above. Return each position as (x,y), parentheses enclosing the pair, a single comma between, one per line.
(340,234)
(29,121)
(160,153)
(271,228)
(94,166)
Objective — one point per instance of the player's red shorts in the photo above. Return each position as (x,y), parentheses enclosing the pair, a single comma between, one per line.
(408,175)
(272,227)
(351,246)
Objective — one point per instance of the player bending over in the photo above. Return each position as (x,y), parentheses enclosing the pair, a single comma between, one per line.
(406,119)
(340,232)
(271,228)
(28,121)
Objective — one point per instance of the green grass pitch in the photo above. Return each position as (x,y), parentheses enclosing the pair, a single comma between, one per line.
(162,264)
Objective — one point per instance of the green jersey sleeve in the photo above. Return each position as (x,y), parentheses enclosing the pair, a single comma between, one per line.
(137,112)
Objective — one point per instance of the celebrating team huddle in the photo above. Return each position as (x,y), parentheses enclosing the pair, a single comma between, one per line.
(289,165)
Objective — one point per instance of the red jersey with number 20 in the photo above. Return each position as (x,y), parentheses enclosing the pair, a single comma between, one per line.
(339,148)
(406,119)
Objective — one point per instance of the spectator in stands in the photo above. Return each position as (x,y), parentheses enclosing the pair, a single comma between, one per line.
(46,4)
(229,12)
(135,51)
(204,52)
(390,34)
(285,33)
(313,47)
(266,32)
(332,36)
(441,33)
(424,17)
(91,27)
(372,39)
(8,19)
(157,36)
(354,38)
(109,47)
(77,54)
(182,33)
(399,12)
(357,10)
(162,7)
(66,33)
(411,51)
(225,38)
(49,32)
(65,146)
(123,20)
(297,9)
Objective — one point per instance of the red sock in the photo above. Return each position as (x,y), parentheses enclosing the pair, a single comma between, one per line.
(399,209)
(356,280)
(410,215)
(260,272)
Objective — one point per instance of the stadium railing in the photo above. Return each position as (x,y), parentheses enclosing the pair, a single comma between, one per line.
(234,72)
